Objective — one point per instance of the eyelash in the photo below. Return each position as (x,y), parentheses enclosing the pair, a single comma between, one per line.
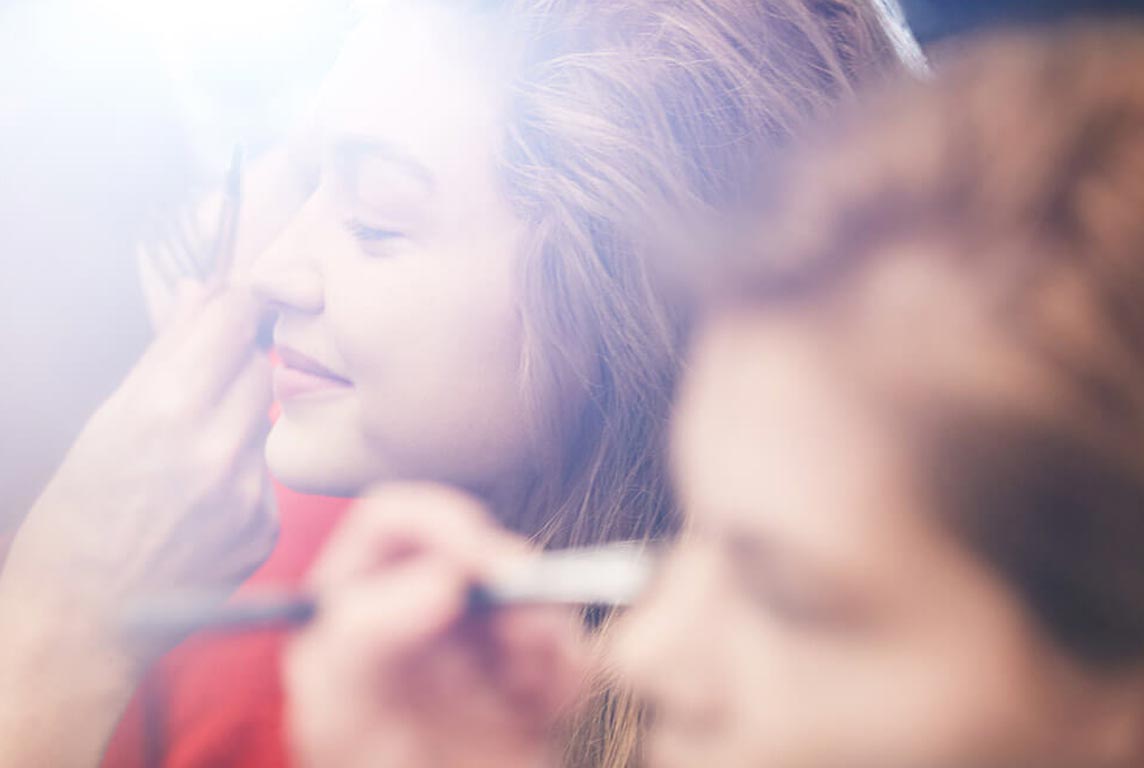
(367,235)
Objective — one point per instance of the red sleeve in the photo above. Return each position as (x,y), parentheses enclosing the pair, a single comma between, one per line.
(217,700)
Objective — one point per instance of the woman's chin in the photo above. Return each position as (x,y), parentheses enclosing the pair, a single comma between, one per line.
(312,465)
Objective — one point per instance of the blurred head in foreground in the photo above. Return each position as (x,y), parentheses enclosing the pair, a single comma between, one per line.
(912,442)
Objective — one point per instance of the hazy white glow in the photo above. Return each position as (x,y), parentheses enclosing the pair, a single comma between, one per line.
(196,28)
(234,67)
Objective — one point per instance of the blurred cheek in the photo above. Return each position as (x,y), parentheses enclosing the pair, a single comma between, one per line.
(947,691)
(674,647)
(648,634)
(973,695)
(635,646)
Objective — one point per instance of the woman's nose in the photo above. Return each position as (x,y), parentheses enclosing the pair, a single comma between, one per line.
(288,273)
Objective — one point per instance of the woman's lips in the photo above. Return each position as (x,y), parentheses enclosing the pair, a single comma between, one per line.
(299,376)
(290,383)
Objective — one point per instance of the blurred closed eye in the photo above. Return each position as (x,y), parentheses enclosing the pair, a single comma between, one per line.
(797,600)
(374,241)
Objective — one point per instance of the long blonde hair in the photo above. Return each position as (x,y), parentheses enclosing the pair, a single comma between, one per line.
(618,113)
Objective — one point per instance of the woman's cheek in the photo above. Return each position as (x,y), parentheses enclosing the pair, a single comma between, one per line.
(419,308)
(434,357)
(368,315)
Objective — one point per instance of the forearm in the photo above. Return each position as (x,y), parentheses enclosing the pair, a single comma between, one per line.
(63,687)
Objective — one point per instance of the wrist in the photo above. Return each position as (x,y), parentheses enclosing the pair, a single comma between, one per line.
(63,686)
(63,640)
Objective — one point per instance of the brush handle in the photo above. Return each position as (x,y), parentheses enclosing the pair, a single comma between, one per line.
(179,614)
(611,576)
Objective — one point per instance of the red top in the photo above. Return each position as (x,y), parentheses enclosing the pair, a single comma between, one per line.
(217,700)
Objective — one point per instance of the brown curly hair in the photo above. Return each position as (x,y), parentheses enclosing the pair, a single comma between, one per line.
(1019,173)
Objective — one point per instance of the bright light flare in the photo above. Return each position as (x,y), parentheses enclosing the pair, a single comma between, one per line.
(201,29)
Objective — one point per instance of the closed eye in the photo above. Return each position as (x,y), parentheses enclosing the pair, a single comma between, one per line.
(799,596)
(370,234)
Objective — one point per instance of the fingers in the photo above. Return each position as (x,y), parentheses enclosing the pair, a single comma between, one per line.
(256,531)
(365,633)
(387,617)
(400,522)
(397,660)
(241,418)
(276,185)
(532,656)
(404,641)
(237,431)
(223,446)
(173,306)
(543,659)
(218,345)
(156,279)
(209,340)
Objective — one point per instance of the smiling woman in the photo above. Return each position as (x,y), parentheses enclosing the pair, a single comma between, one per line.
(468,272)
(399,275)
(466,296)
(910,443)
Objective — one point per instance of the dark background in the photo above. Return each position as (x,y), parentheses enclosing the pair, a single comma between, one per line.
(934,20)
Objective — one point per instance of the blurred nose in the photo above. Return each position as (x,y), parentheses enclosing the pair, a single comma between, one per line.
(668,647)
(288,274)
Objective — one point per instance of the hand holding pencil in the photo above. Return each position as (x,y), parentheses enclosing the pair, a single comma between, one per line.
(396,669)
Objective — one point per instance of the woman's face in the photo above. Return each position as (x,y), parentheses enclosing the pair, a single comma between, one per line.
(814,615)
(398,326)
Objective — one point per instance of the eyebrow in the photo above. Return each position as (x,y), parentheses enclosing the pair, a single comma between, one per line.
(761,550)
(761,547)
(352,149)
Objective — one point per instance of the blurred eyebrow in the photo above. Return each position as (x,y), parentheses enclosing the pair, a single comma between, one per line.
(760,549)
(352,150)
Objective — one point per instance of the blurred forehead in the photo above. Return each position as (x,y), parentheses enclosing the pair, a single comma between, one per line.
(773,440)
(757,403)
(798,417)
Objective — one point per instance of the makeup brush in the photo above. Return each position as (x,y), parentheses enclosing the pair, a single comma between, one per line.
(611,575)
